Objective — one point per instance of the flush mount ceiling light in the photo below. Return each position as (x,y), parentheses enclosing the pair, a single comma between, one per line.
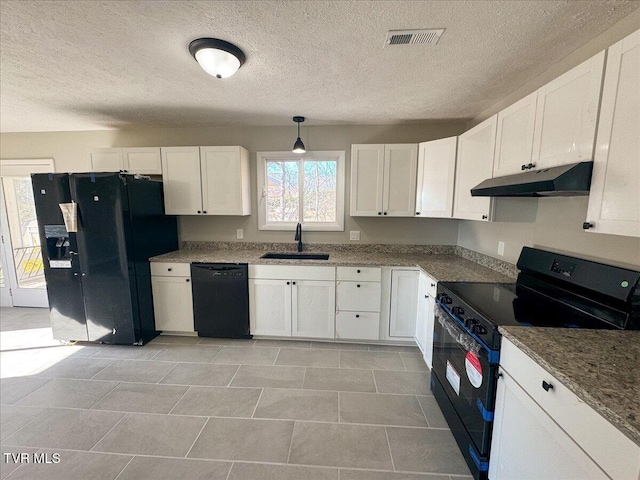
(217,57)
(298,147)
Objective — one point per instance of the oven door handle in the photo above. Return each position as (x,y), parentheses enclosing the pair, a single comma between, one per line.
(461,337)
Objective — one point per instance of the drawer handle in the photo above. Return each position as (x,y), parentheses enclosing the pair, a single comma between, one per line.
(357,271)
(169,269)
(188,279)
(358,286)
(288,283)
(433,284)
(357,316)
(293,283)
(546,386)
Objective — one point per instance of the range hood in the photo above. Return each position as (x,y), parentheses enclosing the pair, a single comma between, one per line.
(563,181)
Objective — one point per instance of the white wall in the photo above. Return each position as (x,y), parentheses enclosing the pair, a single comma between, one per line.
(558,224)
(70,151)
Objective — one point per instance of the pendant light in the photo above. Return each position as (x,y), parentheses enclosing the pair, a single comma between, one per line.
(216,57)
(298,147)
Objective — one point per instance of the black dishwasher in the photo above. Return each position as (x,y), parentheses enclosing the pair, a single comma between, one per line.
(221,299)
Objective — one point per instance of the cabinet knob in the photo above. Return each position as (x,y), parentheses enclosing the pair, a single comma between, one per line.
(484,217)
(385,213)
(433,284)
(426,296)
(188,280)
(169,269)
(288,283)
(379,213)
(199,211)
(357,316)
(587,225)
(531,165)
(358,286)
(293,283)
(204,211)
(417,213)
(523,167)
(357,271)
(547,386)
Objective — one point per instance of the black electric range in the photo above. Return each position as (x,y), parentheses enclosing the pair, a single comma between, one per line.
(552,290)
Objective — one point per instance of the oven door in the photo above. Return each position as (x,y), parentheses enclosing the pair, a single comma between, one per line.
(462,367)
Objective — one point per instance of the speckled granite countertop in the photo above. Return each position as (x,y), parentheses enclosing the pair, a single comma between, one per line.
(602,367)
(441,267)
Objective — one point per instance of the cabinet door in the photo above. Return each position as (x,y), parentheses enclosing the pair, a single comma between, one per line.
(313,309)
(421,314)
(399,180)
(225,181)
(474,164)
(367,170)
(615,185)
(436,176)
(181,180)
(404,302)
(528,444)
(270,307)
(566,115)
(430,320)
(107,160)
(514,137)
(145,161)
(172,304)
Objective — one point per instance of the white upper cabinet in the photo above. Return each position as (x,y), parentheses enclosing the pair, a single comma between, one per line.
(225,180)
(106,160)
(144,161)
(206,180)
(383,179)
(367,170)
(474,164)
(614,202)
(181,180)
(514,137)
(400,165)
(566,116)
(436,176)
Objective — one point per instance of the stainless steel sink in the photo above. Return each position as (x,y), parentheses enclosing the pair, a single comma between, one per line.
(296,256)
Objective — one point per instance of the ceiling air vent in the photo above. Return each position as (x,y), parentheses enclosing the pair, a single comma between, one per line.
(413,37)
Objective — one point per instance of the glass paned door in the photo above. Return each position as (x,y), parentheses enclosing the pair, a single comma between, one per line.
(23,270)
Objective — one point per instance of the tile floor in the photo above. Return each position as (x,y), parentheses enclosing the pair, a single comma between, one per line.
(191,408)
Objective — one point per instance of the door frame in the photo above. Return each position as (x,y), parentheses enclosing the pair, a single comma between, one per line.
(12,295)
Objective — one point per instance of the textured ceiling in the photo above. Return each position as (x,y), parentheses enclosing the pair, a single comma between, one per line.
(85,65)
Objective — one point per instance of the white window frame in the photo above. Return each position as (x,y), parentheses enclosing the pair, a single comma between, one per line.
(336,155)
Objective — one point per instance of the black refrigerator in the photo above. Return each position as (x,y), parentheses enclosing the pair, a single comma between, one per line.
(96,259)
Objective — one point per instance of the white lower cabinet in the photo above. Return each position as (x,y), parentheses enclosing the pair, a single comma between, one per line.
(270,307)
(543,430)
(290,301)
(313,305)
(404,304)
(425,317)
(172,301)
(358,294)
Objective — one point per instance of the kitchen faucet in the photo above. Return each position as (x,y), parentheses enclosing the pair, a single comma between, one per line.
(298,237)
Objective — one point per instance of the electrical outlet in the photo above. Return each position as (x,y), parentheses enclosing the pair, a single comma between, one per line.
(354,235)
(239,234)
(501,249)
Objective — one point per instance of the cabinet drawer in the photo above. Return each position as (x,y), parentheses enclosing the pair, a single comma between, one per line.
(358,296)
(169,269)
(616,454)
(363,274)
(358,326)
(292,272)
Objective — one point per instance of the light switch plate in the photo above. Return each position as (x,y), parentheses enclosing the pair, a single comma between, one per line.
(354,235)
(501,249)
(239,233)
